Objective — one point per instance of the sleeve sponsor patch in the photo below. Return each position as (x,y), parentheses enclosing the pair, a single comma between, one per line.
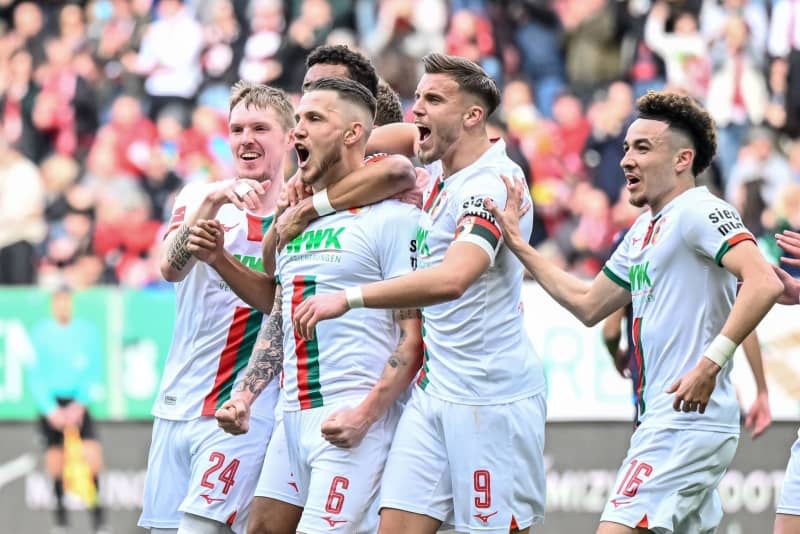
(726,221)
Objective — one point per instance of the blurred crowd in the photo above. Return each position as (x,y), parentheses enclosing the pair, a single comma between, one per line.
(109,107)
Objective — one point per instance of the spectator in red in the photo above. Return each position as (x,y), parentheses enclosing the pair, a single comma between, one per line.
(133,134)
(470,36)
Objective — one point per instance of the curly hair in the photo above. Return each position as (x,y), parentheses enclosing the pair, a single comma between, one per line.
(359,67)
(682,113)
(389,107)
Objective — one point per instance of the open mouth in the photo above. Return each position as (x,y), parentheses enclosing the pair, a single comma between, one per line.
(302,154)
(249,156)
(424,133)
(633,181)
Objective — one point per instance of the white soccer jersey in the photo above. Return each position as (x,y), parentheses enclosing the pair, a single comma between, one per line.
(214,329)
(671,264)
(476,348)
(350,248)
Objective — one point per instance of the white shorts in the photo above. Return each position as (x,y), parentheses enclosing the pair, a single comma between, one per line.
(668,481)
(339,487)
(277,479)
(194,467)
(789,502)
(475,468)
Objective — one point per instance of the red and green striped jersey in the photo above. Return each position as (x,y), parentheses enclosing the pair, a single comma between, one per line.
(346,357)
(671,263)
(214,329)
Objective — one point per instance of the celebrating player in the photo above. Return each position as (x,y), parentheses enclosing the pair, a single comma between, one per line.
(678,264)
(481,376)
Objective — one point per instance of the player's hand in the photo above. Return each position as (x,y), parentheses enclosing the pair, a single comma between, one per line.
(791,287)
(508,219)
(621,360)
(413,196)
(234,416)
(693,390)
(346,429)
(316,309)
(296,190)
(790,243)
(57,419)
(206,238)
(290,224)
(759,416)
(241,192)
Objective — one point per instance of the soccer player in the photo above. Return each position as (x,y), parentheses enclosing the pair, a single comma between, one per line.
(339,410)
(277,506)
(469,446)
(678,265)
(200,479)
(787,517)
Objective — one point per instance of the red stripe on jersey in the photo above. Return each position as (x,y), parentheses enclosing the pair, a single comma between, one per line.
(643,523)
(437,188)
(175,221)
(254,228)
(227,360)
(375,158)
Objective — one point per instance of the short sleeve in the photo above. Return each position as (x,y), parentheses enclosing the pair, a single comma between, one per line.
(474,223)
(186,201)
(616,268)
(712,227)
(396,242)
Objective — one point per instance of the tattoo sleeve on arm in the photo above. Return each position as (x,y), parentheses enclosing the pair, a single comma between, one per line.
(178,255)
(266,361)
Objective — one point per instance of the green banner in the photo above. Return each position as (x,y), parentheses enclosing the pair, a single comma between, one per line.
(134,330)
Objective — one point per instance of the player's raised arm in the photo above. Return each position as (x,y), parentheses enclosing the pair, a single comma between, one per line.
(266,362)
(176,259)
(589,302)
(383,177)
(347,428)
(397,138)
(256,288)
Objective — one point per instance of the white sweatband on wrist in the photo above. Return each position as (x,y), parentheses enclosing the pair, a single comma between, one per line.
(721,350)
(322,204)
(355,297)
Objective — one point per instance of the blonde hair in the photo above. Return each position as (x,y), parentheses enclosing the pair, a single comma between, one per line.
(262,96)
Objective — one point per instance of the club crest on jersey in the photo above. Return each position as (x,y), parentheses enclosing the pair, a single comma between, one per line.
(657,229)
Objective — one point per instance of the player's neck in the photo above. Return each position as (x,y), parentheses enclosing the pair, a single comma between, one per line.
(351,161)
(680,188)
(465,152)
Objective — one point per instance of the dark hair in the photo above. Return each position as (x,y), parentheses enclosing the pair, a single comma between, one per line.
(683,114)
(389,108)
(469,76)
(359,67)
(349,90)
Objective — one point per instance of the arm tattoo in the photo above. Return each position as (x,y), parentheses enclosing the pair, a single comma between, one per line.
(266,362)
(177,255)
(402,315)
